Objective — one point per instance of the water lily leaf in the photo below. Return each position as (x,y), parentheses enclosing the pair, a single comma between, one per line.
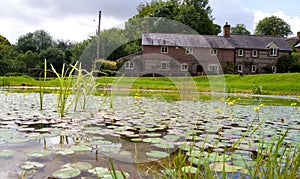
(157,154)
(219,166)
(66,173)
(78,165)
(79,148)
(164,145)
(189,169)
(31,165)
(101,142)
(41,153)
(6,153)
(99,171)
(65,152)
(153,140)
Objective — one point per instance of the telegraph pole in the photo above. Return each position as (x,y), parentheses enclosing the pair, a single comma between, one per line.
(98,33)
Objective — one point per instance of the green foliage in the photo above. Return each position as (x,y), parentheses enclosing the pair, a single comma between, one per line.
(273,26)
(239,29)
(289,63)
(54,56)
(36,41)
(194,13)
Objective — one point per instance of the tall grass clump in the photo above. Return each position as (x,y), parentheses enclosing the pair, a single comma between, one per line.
(277,159)
(65,88)
(83,86)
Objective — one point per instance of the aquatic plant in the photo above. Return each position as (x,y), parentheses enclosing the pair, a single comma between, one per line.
(65,88)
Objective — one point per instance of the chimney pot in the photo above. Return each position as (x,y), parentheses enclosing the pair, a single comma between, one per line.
(226,30)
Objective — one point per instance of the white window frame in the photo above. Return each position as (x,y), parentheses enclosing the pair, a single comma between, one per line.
(184,67)
(213,68)
(129,65)
(164,49)
(273,52)
(213,51)
(254,53)
(253,68)
(164,65)
(189,50)
(240,68)
(274,69)
(240,52)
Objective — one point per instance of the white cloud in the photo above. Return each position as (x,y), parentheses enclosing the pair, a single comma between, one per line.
(292,21)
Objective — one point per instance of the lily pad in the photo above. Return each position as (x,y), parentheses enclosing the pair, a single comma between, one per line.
(66,173)
(79,148)
(41,153)
(219,166)
(78,165)
(31,165)
(6,153)
(65,152)
(153,140)
(157,154)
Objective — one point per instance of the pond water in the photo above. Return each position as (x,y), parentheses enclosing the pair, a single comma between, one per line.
(134,134)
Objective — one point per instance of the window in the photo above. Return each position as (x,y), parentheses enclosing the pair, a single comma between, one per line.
(129,65)
(254,53)
(273,52)
(240,52)
(240,68)
(213,68)
(184,67)
(274,69)
(213,51)
(189,50)
(164,50)
(253,68)
(164,66)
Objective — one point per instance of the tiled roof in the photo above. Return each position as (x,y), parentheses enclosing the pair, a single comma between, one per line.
(211,41)
(258,42)
(181,40)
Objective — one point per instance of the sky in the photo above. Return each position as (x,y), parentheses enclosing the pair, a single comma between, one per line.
(76,20)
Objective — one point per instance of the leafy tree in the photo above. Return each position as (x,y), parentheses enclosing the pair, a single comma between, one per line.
(273,26)
(7,56)
(36,41)
(194,13)
(54,56)
(239,29)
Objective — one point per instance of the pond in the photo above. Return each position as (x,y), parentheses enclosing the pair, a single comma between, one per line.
(136,136)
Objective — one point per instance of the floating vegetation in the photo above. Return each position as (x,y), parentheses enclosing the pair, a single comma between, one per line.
(66,173)
(230,141)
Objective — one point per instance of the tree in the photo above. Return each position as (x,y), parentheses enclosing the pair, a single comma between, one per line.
(240,29)
(194,13)
(36,41)
(54,56)
(273,26)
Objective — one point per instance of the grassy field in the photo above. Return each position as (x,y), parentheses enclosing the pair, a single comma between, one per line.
(170,88)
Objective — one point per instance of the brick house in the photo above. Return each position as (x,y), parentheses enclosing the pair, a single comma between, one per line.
(294,41)
(194,54)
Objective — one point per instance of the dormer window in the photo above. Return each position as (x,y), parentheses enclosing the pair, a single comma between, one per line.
(189,50)
(273,52)
(254,53)
(240,52)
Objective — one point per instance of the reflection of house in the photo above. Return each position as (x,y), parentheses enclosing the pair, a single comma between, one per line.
(294,41)
(179,54)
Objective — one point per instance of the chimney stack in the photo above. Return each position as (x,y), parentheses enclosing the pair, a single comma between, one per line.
(144,27)
(226,30)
